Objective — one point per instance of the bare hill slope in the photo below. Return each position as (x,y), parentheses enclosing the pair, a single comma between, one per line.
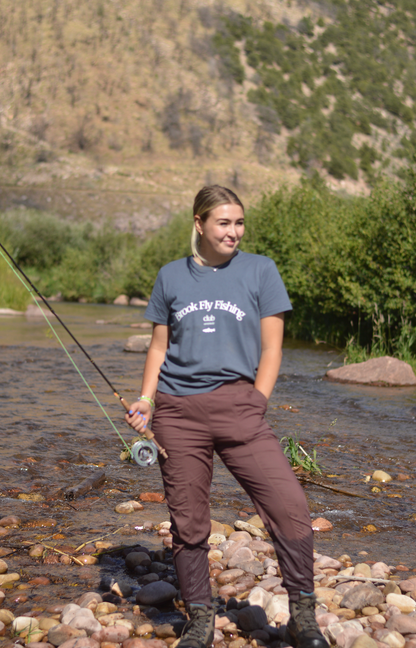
(123,108)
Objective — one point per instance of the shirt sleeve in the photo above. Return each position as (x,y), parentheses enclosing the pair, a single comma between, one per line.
(273,297)
(158,309)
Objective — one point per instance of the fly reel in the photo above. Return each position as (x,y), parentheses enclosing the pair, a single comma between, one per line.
(144,452)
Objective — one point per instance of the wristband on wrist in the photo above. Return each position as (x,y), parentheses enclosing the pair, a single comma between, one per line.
(148,400)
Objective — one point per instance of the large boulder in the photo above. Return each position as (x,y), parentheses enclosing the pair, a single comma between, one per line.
(385,371)
(138,343)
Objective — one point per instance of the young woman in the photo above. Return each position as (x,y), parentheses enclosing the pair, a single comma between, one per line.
(212,364)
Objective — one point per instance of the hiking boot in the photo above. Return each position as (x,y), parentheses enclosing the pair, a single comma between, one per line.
(302,628)
(199,630)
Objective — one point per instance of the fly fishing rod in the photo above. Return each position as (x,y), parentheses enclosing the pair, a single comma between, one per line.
(144,452)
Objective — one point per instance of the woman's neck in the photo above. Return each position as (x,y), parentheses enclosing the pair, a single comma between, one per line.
(213,262)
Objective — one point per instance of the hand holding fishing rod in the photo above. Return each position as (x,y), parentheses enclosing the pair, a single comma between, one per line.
(144,452)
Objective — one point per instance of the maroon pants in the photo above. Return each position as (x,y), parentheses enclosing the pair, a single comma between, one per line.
(229,420)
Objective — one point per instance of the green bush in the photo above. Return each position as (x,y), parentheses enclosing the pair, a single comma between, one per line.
(13,294)
(341,258)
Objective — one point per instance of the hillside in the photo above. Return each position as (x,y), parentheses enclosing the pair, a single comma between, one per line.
(122,108)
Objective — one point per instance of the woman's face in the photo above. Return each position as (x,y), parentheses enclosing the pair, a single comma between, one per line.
(221,233)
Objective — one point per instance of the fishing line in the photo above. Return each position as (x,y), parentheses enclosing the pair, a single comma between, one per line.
(144,452)
(62,344)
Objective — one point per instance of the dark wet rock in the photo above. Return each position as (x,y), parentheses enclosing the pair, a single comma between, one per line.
(112,598)
(156,593)
(377,371)
(152,612)
(158,567)
(362,596)
(252,617)
(260,635)
(148,578)
(119,588)
(140,571)
(138,558)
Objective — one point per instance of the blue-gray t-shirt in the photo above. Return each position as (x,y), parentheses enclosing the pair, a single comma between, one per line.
(214,315)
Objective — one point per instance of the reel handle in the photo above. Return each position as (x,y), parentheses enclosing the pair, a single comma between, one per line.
(148,432)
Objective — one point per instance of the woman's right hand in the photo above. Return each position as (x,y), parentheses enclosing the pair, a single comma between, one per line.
(139,415)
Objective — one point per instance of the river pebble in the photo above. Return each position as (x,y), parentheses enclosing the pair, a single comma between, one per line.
(404,603)
(381,476)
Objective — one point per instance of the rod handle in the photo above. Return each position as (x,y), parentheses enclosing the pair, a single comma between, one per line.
(148,432)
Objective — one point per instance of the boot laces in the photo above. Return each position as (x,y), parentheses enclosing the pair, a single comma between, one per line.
(303,614)
(197,626)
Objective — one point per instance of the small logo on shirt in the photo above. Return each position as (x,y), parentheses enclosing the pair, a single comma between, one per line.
(208,330)
(209,318)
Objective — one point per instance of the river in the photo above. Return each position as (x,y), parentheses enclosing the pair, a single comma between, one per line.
(53,435)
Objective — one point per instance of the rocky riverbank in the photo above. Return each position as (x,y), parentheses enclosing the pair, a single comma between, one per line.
(103,594)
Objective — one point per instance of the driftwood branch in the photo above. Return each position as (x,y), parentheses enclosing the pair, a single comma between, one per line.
(62,553)
(307,480)
(85,486)
(97,539)
(362,579)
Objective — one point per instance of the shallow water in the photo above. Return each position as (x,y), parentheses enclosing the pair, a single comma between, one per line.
(53,435)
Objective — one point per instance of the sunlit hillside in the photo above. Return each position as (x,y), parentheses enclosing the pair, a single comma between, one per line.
(123,108)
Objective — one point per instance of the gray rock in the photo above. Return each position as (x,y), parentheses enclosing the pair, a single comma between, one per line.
(88,597)
(402,623)
(61,633)
(364,641)
(236,536)
(85,620)
(243,554)
(251,567)
(81,642)
(69,612)
(325,562)
(121,300)
(165,630)
(138,343)
(156,593)
(362,596)
(270,583)
(408,585)
(377,371)
(250,528)
(252,617)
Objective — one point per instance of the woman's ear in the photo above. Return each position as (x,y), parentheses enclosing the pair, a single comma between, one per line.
(198,224)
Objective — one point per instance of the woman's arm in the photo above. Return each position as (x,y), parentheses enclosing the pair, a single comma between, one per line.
(141,410)
(271,329)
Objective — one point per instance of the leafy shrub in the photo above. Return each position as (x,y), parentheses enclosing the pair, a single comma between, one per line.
(229,55)
(13,294)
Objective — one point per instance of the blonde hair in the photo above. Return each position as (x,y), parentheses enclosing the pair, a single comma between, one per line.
(206,200)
